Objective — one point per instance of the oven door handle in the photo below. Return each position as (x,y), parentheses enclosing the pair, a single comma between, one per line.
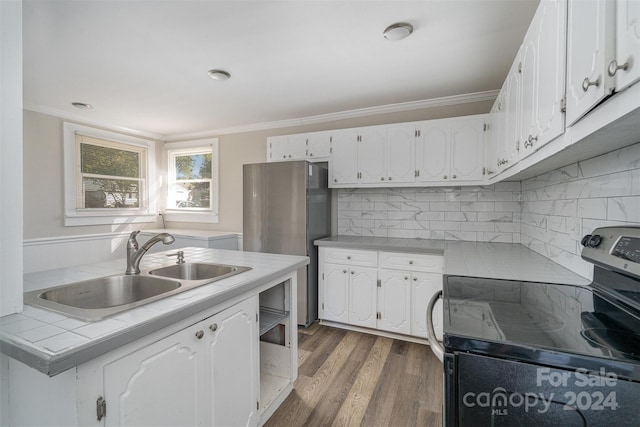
(436,347)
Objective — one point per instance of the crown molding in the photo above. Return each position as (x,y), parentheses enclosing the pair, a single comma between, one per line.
(444,101)
(468,98)
(97,123)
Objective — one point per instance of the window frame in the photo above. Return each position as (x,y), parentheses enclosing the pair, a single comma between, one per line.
(203,215)
(74,216)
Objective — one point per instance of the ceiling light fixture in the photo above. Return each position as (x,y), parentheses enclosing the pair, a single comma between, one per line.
(219,75)
(82,105)
(398,31)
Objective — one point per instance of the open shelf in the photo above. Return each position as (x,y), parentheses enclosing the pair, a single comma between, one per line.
(270,318)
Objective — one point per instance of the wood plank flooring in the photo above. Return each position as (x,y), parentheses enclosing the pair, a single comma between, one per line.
(348,378)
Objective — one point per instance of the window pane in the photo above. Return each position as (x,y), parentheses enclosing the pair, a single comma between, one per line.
(190,195)
(110,193)
(193,166)
(109,161)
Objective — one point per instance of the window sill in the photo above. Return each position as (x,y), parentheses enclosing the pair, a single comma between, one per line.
(176,216)
(80,220)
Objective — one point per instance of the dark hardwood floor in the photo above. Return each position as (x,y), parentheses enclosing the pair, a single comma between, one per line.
(348,378)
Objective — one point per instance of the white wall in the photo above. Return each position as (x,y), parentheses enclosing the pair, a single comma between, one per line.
(10,176)
(10,157)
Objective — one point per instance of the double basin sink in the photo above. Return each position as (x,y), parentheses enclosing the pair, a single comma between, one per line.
(98,298)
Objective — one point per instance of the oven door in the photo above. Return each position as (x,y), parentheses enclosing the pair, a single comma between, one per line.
(487,391)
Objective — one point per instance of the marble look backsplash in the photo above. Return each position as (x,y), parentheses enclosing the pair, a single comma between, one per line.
(549,213)
(484,213)
(561,206)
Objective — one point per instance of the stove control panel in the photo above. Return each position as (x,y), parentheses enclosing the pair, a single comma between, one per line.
(627,248)
(614,248)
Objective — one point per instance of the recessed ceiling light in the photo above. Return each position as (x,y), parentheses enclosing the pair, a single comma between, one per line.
(219,74)
(82,105)
(398,31)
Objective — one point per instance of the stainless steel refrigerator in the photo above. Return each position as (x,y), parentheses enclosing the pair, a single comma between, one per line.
(287,205)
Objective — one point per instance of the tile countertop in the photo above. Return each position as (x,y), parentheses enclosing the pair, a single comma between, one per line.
(509,261)
(52,342)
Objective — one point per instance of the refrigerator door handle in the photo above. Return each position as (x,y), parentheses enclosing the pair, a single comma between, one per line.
(436,347)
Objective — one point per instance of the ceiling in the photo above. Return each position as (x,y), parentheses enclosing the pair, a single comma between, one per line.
(143,65)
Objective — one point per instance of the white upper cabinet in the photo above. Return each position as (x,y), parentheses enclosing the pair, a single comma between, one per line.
(590,50)
(343,166)
(400,153)
(433,151)
(305,146)
(467,149)
(372,143)
(511,117)
(626,67)
(543,57)
(450,150)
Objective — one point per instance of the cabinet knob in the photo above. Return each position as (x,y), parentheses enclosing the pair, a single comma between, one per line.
(406,277)
(310,154)
(410,261)
(199,334)
(289,155)
(353,272)
(614,67)
(348,256)
(586,83)
(335,180)
(213,327)
(344,271)
(389,178)
(284,156)
(415,279)
(382,178)
(453,176)
(445,177)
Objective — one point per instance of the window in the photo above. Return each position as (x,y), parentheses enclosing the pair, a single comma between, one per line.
(107,177)
(192,194)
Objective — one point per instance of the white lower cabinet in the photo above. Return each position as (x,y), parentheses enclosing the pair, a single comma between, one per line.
(206,374)
(390,293)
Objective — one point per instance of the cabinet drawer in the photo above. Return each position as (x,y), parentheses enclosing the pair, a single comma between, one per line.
(351,257)
(412,262)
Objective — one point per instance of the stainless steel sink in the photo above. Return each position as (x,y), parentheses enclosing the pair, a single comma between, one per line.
(198,271)
(98,298)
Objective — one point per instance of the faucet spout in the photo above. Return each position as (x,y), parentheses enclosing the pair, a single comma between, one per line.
(134,254)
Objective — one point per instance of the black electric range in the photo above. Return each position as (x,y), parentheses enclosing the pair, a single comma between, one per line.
(526,353)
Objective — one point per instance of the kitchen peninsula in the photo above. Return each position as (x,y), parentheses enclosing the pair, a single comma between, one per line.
(220,354)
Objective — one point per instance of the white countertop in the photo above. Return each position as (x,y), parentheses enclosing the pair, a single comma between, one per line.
(508,261)
(52,342)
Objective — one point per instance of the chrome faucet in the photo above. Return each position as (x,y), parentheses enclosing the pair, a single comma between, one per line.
(134,255)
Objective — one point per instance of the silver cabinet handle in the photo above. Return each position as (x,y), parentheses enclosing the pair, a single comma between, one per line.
(353,272)
(415,279)
(284,156)
(586,83)
(436,347)
(348,256)
(382,178)
(310,154)
(406,277)
(199,334)
(213,327)
(389,178)
(614,67)
(344,271)
(410,261)
(454,176)
(445,177)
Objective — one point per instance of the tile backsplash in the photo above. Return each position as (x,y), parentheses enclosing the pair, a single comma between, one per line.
(561,206)
(484,213)
(549,213)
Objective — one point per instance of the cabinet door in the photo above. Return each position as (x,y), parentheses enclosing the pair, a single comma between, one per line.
(627,42)
(278,148)
(336,293)
(318,145)
(511,117)
(590,49)
(394,301)
(232,365)
(423,286)
(493,137)
(372,155)
(363,296)
(343,167)
(159,385)
(400,153)
(297,147)
(433,151)
(544,66)
(467,150)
